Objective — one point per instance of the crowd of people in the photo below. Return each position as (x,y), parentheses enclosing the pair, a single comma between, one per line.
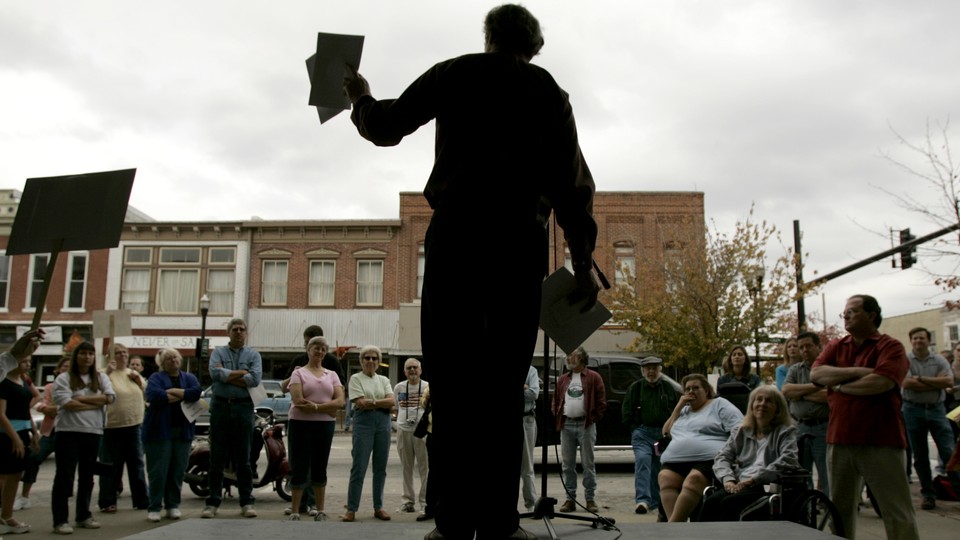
(856,404)
(851,411)
(98,421)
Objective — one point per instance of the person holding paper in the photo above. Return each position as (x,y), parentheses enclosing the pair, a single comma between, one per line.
(234,369)
(506,155)
(167,432)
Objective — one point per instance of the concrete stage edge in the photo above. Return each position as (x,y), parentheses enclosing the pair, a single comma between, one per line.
(236,529)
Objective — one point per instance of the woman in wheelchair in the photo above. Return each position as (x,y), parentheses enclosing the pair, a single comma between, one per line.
(700,425)
(756,453)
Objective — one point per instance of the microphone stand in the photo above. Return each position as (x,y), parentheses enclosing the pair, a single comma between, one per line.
(544,507)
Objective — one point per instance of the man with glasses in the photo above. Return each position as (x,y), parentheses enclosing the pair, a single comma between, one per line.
(412,450)
(863,372)
(808,406)
(234,369)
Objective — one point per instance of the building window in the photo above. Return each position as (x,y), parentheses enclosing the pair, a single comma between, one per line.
(178,291)
(274,283)
(169,280)
(135,290)
(369,283)
(220,256)
(38,268)
(626,262)
(137,255)
(421,267)
(220,286)
(76,281)
(4,279)
(180,255)
(954,331)
(322,283)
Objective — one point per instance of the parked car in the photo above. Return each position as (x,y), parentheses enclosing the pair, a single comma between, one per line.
(277,401)
(618,373)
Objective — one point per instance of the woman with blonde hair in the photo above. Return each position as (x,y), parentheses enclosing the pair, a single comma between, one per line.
(755,455)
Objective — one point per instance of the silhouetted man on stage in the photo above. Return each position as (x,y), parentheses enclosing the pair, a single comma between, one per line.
(506,154)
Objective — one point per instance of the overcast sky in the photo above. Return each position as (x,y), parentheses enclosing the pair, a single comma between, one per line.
(788,104)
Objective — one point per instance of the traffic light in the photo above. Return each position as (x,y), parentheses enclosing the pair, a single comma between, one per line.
(908,256)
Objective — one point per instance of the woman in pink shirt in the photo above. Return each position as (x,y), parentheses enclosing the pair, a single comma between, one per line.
(316,396)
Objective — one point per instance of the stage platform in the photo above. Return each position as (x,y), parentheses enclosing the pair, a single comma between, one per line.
(261,529)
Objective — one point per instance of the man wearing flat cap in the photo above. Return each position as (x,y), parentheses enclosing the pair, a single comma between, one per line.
(646,407)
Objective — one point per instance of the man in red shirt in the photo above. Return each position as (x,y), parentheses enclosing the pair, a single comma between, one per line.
(866,439)
(578,404)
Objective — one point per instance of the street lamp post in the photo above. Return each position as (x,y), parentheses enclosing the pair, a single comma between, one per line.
(756,285)
(202,345)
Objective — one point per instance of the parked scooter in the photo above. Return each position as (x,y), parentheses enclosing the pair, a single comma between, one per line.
(268,433)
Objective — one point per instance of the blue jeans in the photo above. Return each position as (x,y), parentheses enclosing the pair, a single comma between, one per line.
(920,419)
(371,434)
(815,452)
(526,470)
(122,446)
(231,427)
(572,436)
(76,454)
(166,464)
(47,446)
(646,466)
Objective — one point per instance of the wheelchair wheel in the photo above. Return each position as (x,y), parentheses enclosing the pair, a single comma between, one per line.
(813,509)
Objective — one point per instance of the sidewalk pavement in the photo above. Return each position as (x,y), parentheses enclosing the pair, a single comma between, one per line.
(615,497)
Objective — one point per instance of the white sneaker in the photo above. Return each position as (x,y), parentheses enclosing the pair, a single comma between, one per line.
(248,511)
(63,528)
(312,510)
(294,517)
(89,523)
(19,528)
(209,512)
(288,511)
(320,517)
(22,503)
(173,513)
(153,516)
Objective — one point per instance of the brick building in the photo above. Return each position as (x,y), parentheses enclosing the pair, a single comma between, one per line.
(358,279)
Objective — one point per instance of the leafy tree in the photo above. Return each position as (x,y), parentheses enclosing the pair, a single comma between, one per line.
(701,298)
